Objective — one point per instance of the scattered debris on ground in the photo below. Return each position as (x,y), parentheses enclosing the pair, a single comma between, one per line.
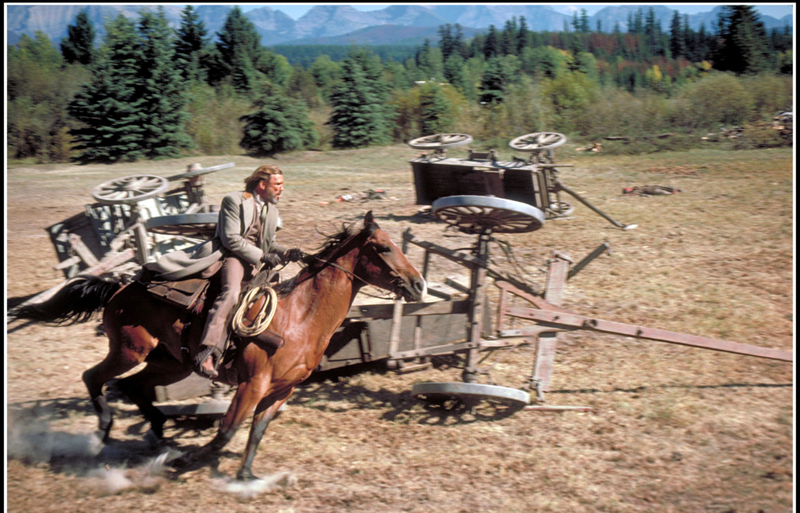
(595,147)
(361,197)
(650,190)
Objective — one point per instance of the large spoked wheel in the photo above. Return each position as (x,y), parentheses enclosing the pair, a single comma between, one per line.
(479,214)
(200,172)
(538,141)
(440,141)
(188,225)
(130,189)
(471,394)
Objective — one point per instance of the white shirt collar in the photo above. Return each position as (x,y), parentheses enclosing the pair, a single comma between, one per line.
(259,201)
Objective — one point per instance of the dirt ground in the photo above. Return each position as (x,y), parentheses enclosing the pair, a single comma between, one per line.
(672,428)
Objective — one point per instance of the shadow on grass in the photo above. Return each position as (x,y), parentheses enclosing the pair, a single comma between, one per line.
(32,440)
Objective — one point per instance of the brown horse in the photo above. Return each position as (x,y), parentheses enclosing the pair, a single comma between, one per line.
(311,306)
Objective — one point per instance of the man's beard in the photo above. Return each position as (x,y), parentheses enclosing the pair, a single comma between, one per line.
(274,200)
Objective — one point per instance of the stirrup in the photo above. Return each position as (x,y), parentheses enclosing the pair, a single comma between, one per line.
(197,363)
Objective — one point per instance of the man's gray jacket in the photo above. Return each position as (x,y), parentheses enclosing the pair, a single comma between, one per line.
(236,214)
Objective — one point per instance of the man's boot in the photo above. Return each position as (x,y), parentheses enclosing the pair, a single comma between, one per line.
(206,361)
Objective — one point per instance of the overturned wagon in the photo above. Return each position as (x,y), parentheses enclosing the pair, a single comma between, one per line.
(482,195)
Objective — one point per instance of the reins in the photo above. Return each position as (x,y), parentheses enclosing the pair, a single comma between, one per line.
(267,310)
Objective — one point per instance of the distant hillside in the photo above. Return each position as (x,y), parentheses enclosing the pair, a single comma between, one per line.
(404,36)
(344,25)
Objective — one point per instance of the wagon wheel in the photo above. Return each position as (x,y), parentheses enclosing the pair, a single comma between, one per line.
(199,172)
(471,394)
(130,189)
(188,225)
(538,141)
(440,141)
(478,214)
(559,209)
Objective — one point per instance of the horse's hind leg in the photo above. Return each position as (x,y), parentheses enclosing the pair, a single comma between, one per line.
(140,388)
(264,414)
(98,376)
(128,347)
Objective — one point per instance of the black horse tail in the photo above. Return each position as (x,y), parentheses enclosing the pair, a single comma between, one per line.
(76,302)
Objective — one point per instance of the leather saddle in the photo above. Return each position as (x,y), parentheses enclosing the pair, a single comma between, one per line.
(191,294)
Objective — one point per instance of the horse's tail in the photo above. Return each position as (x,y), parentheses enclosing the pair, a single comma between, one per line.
(76,302)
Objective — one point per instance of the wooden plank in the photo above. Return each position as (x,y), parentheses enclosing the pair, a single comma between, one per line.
(82,249)
(536,300)
(575,321)
(68,263)
(386,311)
(452,255)
(451,282)
(110,262)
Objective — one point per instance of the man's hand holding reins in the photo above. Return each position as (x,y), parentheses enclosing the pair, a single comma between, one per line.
(271,259)
(293,255)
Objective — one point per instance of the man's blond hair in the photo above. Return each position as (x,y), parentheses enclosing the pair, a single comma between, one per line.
(264,172)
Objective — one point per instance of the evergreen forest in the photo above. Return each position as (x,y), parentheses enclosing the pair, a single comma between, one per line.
(148,91)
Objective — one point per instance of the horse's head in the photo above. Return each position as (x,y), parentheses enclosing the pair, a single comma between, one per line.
(383,265)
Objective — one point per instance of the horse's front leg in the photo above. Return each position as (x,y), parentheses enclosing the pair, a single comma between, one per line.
(266,411)
(248,395)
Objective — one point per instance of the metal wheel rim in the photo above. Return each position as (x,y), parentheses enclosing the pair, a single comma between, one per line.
(130,189)
(478,214)
(560,209)
(538,141)
(199,172)
(434,391)
(204,224)
(433,142)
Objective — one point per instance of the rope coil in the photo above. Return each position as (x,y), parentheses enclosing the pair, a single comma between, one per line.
(264,317)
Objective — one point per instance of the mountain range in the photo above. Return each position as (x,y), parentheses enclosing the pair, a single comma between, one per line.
(342,24)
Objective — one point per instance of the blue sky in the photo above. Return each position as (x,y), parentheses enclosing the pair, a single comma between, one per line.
(295,11)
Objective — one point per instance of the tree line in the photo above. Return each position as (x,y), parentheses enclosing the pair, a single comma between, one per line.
(149,91)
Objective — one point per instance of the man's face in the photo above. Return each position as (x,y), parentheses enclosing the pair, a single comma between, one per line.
(270,190)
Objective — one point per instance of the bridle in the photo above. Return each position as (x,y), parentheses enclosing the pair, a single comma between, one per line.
(354,275)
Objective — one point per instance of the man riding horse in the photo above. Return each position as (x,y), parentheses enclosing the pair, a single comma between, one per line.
(245,239)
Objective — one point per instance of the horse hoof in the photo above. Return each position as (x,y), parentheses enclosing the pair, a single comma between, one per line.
(181,462)
(157,429)
(105,431)
(246,475)
(152,438)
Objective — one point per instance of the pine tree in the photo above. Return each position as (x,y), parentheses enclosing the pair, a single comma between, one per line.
(491,89)
(108,107)
(522,35)
(360,114)
(446,41)
(436,110)
(744,41)
(191,46)
(462,47)
(79,45)
(491,47)
(508,38)
(239,51)
(454,72)
(584,23)
(677,37)
(160,90)
(279,124)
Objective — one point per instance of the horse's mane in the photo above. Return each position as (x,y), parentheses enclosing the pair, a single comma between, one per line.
(316,261)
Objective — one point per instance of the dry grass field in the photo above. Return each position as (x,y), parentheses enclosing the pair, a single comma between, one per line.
(672,428)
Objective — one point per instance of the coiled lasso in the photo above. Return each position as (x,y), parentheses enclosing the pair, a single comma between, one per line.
(263,318)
